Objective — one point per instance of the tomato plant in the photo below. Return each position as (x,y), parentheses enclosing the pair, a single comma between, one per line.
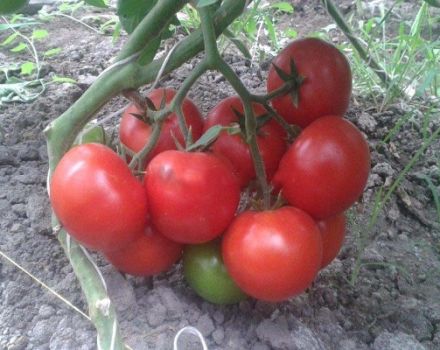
(150,254)
(323,85)
(325,170)
(205,272)
(333,234)
(97,199)
(270,139)
(192,196)
(134,133)
(273,255)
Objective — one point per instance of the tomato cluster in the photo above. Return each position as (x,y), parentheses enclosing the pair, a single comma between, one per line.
(186,203)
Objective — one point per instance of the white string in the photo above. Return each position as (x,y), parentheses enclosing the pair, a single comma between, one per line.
(189,330)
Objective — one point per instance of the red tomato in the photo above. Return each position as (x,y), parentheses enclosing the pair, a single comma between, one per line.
(333,234)
(273,255)
(271,140)
(192,196)
(325,170)
(326,88)
(150,254)
(134,133)
(97,199)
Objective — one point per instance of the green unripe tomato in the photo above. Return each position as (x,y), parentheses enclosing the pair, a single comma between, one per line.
(91,134)
(205,272)
(11,6)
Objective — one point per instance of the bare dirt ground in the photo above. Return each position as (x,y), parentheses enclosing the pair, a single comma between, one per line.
(393,305)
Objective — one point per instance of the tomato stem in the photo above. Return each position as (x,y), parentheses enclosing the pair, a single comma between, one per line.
(218,63)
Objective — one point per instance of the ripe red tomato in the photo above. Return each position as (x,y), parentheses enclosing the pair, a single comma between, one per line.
(326,88)
(325,170)
(271,140)
(192,196)
(97,199)
(273,255)
(134,133)
(150,254)
(205,272)
(333,234)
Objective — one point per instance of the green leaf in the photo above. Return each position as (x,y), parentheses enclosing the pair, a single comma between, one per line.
(91,134)
(39,34)
(27,68)
(291,33)
(203,3)
(207,138)
(283,7)
(9,39)
(131,12)
(61,80)
(52,52)
(16,25)
(97,3)
(20,47)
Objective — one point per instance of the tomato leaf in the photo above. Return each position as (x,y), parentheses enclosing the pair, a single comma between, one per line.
(39,34)
(62,80)
(52,52)
(97,3)
(207,138)
(9,39)
(283,7)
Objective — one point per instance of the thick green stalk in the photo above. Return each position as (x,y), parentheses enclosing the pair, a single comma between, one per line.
(342,24)
(151,26)
(101,310)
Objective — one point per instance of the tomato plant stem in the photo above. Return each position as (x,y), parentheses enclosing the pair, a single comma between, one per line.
(151,26)
(217,62)
(176,104)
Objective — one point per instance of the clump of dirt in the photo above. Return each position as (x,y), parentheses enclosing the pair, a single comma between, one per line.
(393,304)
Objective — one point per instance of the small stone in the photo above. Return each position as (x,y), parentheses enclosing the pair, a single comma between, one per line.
(366,122)
(42,331)
(28,154)
(219,317)
(171,302)
(218,335)
(383,169)
(46,311)
(6,157)
(38,212)
(19,343)
(276,333)
(205,325)
(156,315)
(396,341)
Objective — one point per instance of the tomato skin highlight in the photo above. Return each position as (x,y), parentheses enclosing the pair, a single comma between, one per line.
(134,133)
(150,254)
(271,140)
(273,255)
(97,199)
(326,169)
(192,196)
(327,86)
(206,274)
(333,234)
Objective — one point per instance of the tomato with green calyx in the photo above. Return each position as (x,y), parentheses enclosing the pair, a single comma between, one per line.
(11,6)
(271,139)
(322,85)
(273,255)
(97,199)
(150,254)
(326,169)
(192,196)
(333,234)
(205,272)
(134,133)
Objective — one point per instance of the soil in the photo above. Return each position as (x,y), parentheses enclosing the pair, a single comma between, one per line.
(394,303)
